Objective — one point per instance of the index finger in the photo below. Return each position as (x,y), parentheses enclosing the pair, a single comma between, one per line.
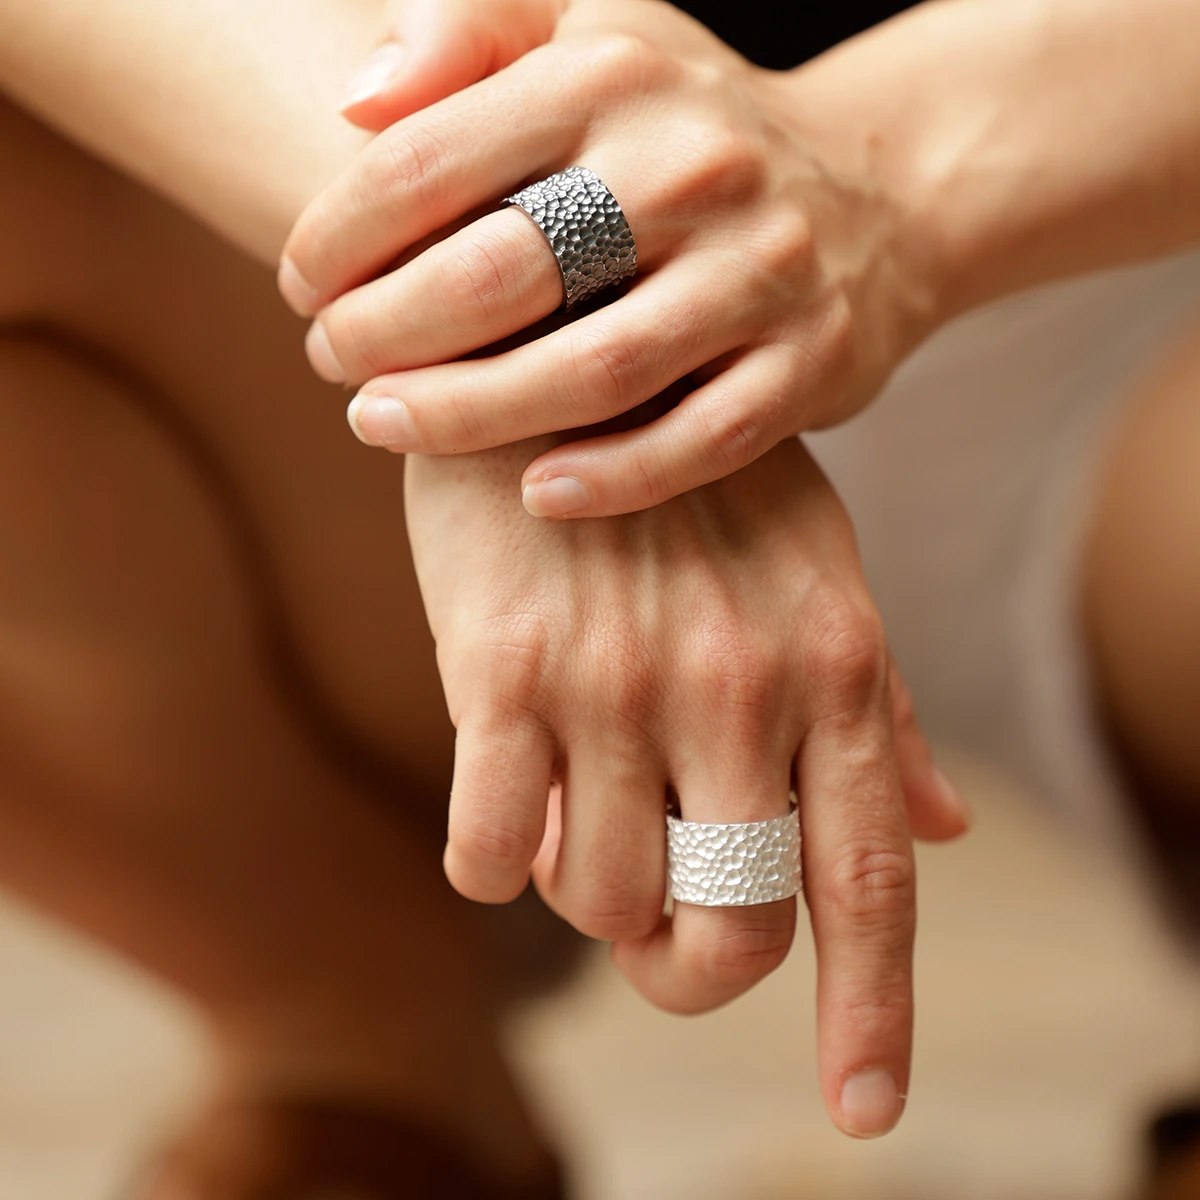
(428,170)
(860,885)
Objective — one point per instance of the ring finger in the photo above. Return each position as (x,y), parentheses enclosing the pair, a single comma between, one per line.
(605,364)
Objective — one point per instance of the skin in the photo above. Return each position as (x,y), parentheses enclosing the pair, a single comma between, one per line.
(192,181)
(867,932)
(197,752)
(780,258)
(799,233)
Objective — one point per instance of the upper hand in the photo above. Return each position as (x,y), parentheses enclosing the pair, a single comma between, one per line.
(768,269)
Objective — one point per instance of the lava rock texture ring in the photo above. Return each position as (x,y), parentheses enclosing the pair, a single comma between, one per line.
(586,229)
(726,865)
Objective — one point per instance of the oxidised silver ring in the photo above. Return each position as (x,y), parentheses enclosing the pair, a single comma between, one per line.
(586,230)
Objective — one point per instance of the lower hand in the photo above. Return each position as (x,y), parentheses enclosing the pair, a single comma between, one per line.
(722,645)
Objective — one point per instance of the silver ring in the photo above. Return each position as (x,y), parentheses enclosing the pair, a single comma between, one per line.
(726,865)
(586,230)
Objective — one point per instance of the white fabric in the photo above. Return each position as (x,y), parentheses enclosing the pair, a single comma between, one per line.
(969,483)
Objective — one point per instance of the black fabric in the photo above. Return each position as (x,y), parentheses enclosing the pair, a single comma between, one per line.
(1175,1134)
(779,34)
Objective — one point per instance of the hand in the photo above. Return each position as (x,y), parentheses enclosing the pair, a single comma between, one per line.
(435,48)
(724,645)
(767,272)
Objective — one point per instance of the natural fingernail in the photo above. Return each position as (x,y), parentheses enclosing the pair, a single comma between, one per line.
(952,796)
(382,421)
(374,75)
(300,295)
(871,1103)
(557,497)
(321,355)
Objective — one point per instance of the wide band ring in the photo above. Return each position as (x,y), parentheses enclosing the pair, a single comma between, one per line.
(586,230)
(731,865)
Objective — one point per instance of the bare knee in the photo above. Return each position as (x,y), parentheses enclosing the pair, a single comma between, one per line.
(53,208)
(119,596)
(1142,580)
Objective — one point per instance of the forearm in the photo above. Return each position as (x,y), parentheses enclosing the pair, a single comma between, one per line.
(1027,140)
(228,107)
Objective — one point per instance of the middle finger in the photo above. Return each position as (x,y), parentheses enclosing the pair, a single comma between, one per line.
(702,957)
(606,363)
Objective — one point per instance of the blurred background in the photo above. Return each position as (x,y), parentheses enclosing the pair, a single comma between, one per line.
(1053,1017)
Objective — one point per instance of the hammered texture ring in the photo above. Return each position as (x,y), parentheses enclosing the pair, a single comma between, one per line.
(725,865)
(586,229)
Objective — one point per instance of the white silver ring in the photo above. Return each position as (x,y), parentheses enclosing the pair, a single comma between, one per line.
(731,865)
(586,230)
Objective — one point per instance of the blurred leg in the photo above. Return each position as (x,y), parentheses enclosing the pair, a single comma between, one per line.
(215,677)
(1142,609)
(157,792)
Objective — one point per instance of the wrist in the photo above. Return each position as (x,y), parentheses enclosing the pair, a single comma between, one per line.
(900,117)
(1018,143)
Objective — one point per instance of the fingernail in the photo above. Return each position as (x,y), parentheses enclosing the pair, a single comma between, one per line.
(321,355)
(871,1103)
(382,421)
(374,75)
(952,796)
(300,295)
(556,497)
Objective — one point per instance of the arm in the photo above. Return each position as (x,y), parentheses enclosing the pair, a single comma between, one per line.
(1027,140)
(228,107)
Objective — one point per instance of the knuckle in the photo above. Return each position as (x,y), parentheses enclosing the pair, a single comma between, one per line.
(715,160)
(783,246)
(876,1017)
(873,887)
(616,915)
(848,658)
(351,328)
(717,642)
(740,676)
(614,666)
(625,692)
(647,480)
(904,709)
(617,65)
(838,344)
(462,419)
(741,952)
(603,372)
(404,170)
(477,279)
(494,837)
(731,437)
(509,665)
(753,688)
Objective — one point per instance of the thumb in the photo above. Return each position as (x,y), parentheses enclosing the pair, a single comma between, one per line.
(435,48)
